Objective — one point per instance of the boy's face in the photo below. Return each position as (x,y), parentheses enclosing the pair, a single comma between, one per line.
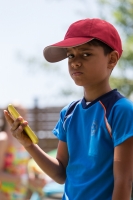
(88,65)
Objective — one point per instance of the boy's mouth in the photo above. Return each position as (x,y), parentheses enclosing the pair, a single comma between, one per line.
(77,73)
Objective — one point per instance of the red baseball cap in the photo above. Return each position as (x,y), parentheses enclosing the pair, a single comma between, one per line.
(81,32)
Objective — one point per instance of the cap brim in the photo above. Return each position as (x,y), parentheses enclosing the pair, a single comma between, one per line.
(57,52)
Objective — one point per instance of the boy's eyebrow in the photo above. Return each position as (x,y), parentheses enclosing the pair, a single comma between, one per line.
(85,48)
(82,48)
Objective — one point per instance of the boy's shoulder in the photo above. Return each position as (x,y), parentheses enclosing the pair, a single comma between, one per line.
(118,106)
(124,104)
(110,99)
(68,109)
(116,98)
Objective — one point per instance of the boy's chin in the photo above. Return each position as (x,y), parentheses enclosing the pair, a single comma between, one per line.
(78,84)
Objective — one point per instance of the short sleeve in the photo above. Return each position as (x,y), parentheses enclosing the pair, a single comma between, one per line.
(122,121)
(59,130)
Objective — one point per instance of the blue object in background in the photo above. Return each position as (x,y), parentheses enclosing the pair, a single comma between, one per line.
(52,189)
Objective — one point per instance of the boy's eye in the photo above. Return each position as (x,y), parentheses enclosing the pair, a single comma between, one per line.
(70,56)
(86,54)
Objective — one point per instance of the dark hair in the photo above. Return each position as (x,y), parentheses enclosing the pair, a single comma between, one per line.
(107,49)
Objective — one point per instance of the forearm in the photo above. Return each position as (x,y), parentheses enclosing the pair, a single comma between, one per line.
(122,190)
(51,166)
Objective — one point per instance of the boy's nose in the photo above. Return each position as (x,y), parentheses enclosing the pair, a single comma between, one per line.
(76,65)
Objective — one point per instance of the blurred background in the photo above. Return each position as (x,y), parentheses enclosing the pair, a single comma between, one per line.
(43,88)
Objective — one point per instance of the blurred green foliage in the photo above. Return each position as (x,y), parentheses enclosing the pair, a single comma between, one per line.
(122,13)
(123,84)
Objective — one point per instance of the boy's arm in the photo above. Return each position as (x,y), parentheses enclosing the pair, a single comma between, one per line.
(123,170)
(53,167)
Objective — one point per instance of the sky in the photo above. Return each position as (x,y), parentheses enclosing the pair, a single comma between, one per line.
(26,28)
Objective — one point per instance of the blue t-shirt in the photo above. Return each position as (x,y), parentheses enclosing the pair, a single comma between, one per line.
(91,133)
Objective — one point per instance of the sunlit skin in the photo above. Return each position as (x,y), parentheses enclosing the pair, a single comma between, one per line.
(91,68)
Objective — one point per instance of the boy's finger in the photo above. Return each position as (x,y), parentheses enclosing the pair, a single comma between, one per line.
(8,117)
(18,124)
(17,134)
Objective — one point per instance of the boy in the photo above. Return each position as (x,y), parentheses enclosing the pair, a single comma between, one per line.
(95,149)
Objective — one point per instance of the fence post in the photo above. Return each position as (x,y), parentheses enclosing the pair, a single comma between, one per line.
(36,115)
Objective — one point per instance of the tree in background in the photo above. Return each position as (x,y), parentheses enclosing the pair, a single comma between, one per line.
(121,12)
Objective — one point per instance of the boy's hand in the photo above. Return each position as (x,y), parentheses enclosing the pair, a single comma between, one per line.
(17,129)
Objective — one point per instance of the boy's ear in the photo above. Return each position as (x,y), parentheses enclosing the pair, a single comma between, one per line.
(113,59)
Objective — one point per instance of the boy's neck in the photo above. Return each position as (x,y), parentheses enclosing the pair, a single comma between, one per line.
(92,94)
